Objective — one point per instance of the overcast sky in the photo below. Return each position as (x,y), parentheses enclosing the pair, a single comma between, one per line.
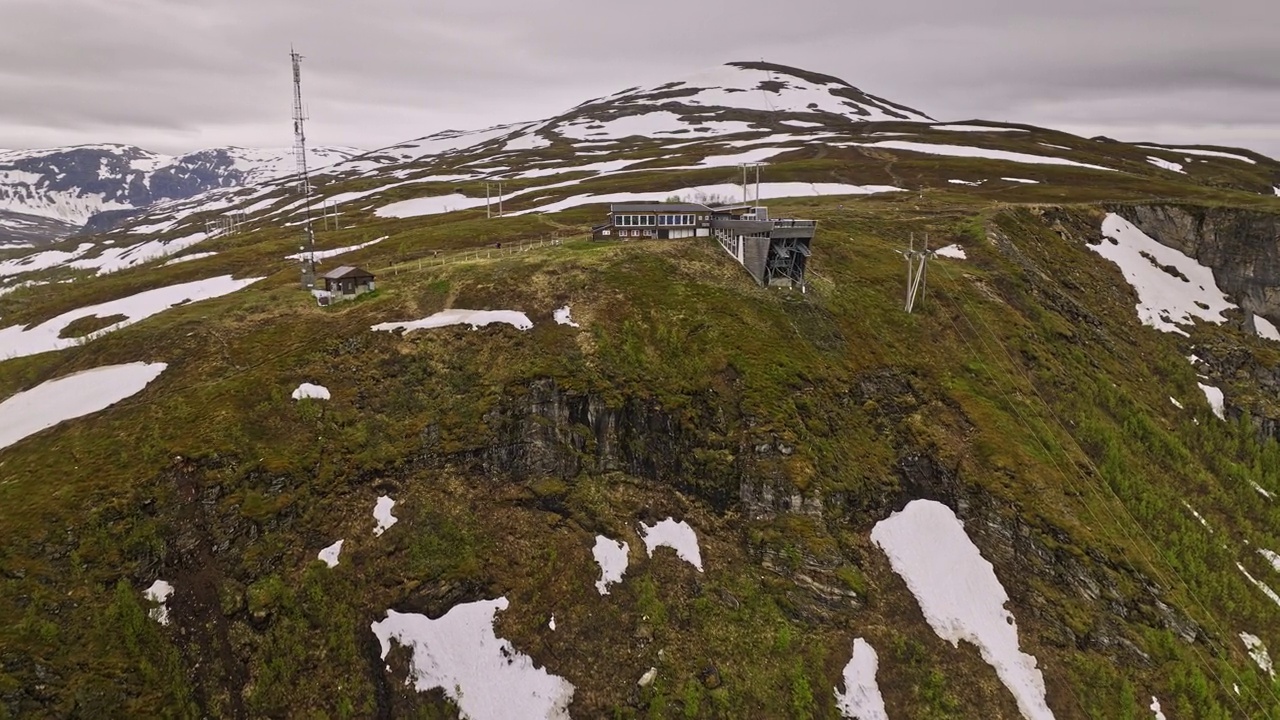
(178,75)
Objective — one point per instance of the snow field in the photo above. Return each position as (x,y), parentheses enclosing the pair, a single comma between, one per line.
(675,535)
(474,318)
(974,152)
(861,699)
(1258,651)
(19,341)
(159,592)
(563,316)
(1216,400)
(951,251)
(1164,300)
(326,254)
(960,595)
(382,514)
(1165,164)
(330,554)
(307,390)
(483,674)
(71,396)
(611,556)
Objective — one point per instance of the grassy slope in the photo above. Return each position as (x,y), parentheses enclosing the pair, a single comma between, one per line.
(214,479)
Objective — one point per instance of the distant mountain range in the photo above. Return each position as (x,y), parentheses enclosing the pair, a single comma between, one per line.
(49,193)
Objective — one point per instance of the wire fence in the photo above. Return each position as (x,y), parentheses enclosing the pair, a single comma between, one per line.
(435,258)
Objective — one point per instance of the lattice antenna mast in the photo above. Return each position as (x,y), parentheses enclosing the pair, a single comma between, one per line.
(300,152)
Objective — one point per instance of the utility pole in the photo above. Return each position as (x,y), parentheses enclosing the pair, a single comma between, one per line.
(300,150)
(488,198)
(746,198)
(917,272)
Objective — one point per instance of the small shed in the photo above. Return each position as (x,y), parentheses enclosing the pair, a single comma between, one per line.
(347,282)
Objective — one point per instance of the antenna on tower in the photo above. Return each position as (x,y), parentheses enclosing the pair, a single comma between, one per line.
(300,151)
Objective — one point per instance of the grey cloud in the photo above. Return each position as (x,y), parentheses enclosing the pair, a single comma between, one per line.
(173,75)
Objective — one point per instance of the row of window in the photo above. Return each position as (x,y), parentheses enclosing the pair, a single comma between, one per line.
(638,220)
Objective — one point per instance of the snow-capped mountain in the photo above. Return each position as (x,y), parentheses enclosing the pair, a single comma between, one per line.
(72,184)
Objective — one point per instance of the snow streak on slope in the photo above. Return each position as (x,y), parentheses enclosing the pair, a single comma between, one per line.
(474,318)
(767,88)
(71,396)
(960,595)
(1258,651)
(1205,153)
(20,341)
(1172,288)
(483,674)
(974,152)
(861,699)
(611,556)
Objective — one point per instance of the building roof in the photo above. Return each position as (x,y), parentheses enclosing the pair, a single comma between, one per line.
(657,207)
(346,271)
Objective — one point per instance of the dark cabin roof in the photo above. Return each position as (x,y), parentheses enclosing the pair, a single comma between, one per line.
(658,207)
(346,271)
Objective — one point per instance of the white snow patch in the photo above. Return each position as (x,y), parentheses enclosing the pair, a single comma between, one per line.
(964,182)
(1258,651)
(307,390)
(42,260)
(563,316)
(1266,589)
(552,623)
(382,513)
(675,535)
(1175,402)
(1205,153)
(951,251)
(960,595)
(802,123)
(430,206)
(861,699)
(326,254)
(1165,164)
(19,341)
(1155,708)
(159,592)
(692,194)
(118,258)
(71,396)
(1024,181)
(330,554)
(1215,398)
(1265,328)
(1271,557)
(474,318)
(484,674)
(977,152)
(1164,301)
(1197,515)
(611,556)
(1262,491)
(648,677)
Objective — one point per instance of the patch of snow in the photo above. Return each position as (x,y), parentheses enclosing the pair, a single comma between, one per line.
(189,258)
(648,677)
(1215,398)
(964,182)
(42,260)
(975,152)
(474,318)
(691,194)
(1262,491)
(532,141)
(330,554)
(1165,164)
(802,123)
(159,592)
(1175,402)
(326,254)
(676,535)
(20,341)
(861,699)
(71,396)
(483,674)
(1205,153)
(611,556)
(1155,708)
(382,513)
(1197,515)
(1164,300)
(430,206)
(563,317)
(1024,181)
(960,595)
(1271,557)
(1265,328)
(1258,651)
(951,251)
(1266,589)
(552,623)
(307,390)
